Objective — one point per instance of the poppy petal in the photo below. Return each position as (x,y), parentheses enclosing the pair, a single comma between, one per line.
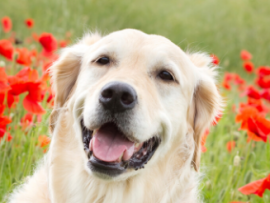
(32,106)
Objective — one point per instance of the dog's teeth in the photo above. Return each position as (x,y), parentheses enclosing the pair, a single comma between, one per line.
(120,158)
(137,146)
(91,145)
(144,152)
(94,132)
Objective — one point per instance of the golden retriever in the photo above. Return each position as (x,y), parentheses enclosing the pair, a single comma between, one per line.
(130,110)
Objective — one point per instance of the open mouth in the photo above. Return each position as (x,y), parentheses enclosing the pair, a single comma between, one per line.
(110,152)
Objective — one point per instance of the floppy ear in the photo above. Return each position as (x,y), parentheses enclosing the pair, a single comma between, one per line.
(206,103)
(65,71)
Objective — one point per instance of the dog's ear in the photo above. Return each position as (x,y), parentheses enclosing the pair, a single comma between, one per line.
(64,73)
(206,104)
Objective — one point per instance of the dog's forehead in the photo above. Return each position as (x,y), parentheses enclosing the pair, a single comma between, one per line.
(131,40)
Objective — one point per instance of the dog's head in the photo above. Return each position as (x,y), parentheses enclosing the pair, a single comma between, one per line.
(134,97)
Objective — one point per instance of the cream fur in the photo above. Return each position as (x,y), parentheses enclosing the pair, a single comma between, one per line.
(178,112)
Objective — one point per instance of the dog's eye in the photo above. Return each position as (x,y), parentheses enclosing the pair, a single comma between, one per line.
(164,75)
(103,60)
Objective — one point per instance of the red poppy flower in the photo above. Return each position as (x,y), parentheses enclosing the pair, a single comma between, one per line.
(4,121)
(4,86)
(27,81)
(6,24)
(9,137)
(263,79)
(50,99)
(263,82)
(217,118)
(27,74)
(245,55)
(203,140)
(2,98)
(43,140)
(257,187)
(27,121)
(47,65)
(32,106)
(265,94)
(257,103)
(48,42)
(248,66)
(31,101)
(2,133)
(244,114)
(228,77)
(215,59)
(230,145)
(254,123)
(29,22)
(63,43)
(238,80)
(253,136)
(253,93)
(226,85)
(24,56)
(259,126)
(2,106)
(263,71)
(6,49)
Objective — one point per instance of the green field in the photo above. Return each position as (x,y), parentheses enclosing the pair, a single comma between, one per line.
(220,27)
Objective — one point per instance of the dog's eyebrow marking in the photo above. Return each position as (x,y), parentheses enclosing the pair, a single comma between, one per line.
(104,50)
(170,67)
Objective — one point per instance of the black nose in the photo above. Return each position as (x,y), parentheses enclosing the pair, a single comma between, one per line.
(118,97)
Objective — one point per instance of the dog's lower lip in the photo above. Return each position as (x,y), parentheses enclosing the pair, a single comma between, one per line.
(141,155)
(111,169)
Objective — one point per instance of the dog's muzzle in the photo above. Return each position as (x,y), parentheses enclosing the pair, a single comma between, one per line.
(109,150)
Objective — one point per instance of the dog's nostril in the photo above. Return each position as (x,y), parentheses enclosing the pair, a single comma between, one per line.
(107,94)
(127,98)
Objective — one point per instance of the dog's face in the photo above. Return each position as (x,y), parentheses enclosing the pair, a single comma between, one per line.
(134,97)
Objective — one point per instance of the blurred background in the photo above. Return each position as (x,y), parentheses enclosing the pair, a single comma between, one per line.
(221,27)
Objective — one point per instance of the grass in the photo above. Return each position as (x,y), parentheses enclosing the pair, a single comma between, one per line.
(222,177)
(220,27)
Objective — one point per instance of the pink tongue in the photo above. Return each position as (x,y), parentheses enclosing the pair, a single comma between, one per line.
(109,144)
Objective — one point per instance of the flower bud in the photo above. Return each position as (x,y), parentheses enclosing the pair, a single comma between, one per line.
(2,64)
(236,160)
